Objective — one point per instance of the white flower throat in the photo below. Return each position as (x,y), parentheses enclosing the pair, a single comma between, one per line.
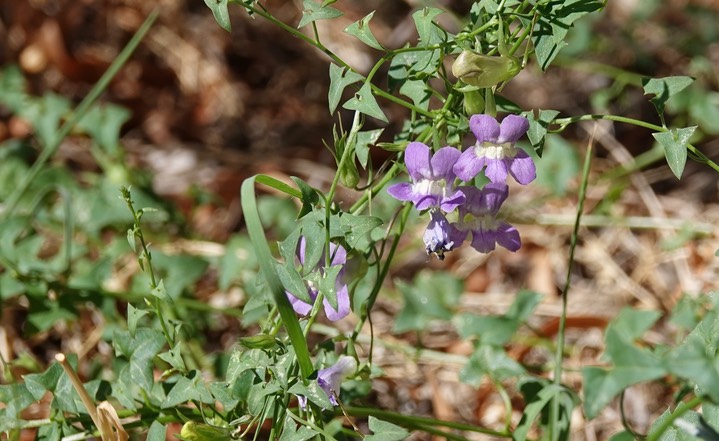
(434,187)
(495,151)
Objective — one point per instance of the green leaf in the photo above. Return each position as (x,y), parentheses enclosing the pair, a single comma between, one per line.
(316,11)
(489,361)
(695,359)
(384,431)
(664,88)
(219,10)
(133,316)
(431,296)
(622,436)
(632,364)
(174,358)
(190,388)
(556,17)
(361,30)
(498,330)
(103,123)
(140,349)
(412,65)
(428,31)
(160,292)
(45,114)
(366,139)
(675,147)
(340,78)
(365,102)
(417,91)
(309,196)
(16,397)
(314,393)
(290,432)
(538,127)
(538,394)
(157,432)
(38,384)
(353,228)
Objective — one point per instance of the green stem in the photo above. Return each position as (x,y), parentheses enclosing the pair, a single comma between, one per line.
(316,43)
(418,421)
(564,122)
(79,112)
(559,356)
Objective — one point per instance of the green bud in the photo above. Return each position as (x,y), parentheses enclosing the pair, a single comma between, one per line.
(484,70)
(473,102)
(192,431)
(349,175)
(261,341)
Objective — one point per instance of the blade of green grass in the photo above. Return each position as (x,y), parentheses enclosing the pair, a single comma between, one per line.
(97,90)
(266,261)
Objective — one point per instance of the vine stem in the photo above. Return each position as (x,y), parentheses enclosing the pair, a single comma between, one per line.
(419,422)
(559,356)
(564,122)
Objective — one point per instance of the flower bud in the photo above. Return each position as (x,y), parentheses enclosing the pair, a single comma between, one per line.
(484,70)
(473,102)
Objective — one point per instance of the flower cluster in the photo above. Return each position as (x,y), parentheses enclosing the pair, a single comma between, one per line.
(433,185)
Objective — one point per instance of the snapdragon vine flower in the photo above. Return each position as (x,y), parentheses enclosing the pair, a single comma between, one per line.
(432,183)
(339,257)
(330,379)
(440,236)
(478,216)
(495,149)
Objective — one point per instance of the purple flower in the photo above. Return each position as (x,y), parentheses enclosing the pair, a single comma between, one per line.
(478,216)
(440,236)
(339,257)
(330,379)
(432,183)
(495,149)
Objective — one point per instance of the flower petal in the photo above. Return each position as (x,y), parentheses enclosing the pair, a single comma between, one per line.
(402,191)
(425,201)
(343,304)
(438,235)
(298,305)
(485,128)
(468,165)
(330,379)
(493,195)
(508,237)
(496,170)
(449,203)
(512,128)
(417,157)
(442,163)
(338,254)
(484,240)
(522,168)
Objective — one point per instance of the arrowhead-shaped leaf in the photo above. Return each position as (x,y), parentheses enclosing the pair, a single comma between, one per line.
(675,147)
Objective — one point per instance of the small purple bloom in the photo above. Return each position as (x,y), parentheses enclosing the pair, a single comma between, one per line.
(440,236)
(495,149)
(432,183)
(339,257)
(478,216)
(330,379)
